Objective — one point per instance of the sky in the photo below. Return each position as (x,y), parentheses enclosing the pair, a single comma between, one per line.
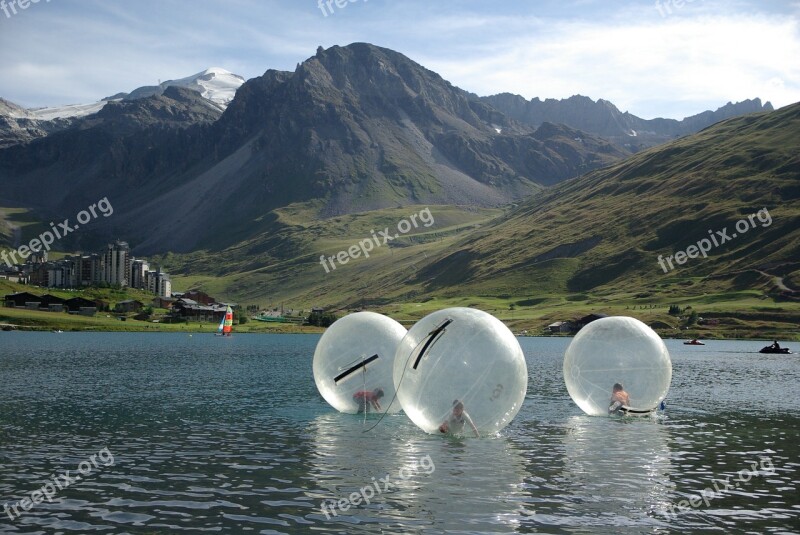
(653,58)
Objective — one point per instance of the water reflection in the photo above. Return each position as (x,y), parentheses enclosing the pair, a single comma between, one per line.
(243,443)
(457,484)
(614,472)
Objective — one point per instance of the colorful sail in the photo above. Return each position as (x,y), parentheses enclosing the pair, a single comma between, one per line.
(227,323)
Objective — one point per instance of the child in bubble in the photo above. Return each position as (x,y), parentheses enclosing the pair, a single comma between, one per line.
(619,398)
(368,399)
(454,424)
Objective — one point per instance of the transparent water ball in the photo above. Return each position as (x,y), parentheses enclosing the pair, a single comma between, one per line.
(460,367)
(353,362)
(620,351)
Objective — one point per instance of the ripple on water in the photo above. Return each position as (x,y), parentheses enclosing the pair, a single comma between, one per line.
(232,438)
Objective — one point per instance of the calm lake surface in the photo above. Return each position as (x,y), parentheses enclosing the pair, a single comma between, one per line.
(231,436)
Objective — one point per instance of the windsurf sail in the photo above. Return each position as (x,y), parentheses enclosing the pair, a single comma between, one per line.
(226,325)
(227,322)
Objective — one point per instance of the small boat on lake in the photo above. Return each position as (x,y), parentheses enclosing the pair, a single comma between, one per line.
(226,325)
(694,342)
(776,350)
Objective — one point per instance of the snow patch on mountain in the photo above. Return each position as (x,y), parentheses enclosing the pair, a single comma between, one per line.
(214,84)
(70,110)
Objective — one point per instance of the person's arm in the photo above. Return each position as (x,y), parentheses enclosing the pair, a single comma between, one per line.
(472,425)
(376,405)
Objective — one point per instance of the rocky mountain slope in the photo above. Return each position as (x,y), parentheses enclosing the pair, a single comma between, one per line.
(604,119)
(18,125)
(593,243)
(351,129)
(21,125)
(612,230)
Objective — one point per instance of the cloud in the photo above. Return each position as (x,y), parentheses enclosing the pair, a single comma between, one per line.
(83,51)
(678,62)
(701,56)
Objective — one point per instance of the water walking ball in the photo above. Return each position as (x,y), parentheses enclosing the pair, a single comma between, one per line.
(457,367)
(617,351)
(353,362)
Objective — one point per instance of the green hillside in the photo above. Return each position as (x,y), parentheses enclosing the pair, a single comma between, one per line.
(603,233)
(283,263)
(590,244)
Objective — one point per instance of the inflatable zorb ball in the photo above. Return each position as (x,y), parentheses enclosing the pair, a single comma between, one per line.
(617,350)
(460,356)
(353,362)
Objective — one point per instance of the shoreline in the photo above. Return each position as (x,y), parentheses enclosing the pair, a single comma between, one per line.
(295,329)
(740,319)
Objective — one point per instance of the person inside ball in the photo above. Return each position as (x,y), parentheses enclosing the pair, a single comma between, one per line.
(454,424)
(619,398)
(367,399)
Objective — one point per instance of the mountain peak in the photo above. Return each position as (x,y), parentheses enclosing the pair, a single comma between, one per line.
(215,84)
(603,118)
(9,109)
(217,70)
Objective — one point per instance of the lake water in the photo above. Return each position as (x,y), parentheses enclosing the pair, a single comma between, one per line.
(231,436)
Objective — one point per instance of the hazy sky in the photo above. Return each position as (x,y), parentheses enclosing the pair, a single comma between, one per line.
(651,58)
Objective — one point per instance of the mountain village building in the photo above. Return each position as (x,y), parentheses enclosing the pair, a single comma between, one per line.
(114,266)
